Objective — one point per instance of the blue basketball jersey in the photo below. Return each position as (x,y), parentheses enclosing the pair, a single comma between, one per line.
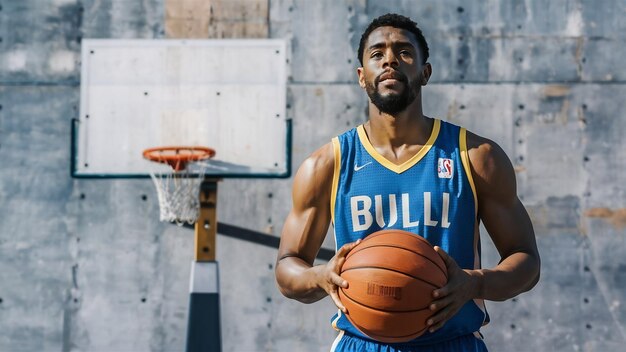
(432,195)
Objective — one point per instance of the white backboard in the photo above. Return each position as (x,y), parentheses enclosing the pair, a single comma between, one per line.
(229,95)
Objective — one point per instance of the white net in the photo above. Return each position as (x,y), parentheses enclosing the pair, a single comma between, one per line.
(178,195)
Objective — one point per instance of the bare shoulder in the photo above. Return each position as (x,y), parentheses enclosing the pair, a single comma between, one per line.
(322,159)
(319,166)
(492,170)
(313,180)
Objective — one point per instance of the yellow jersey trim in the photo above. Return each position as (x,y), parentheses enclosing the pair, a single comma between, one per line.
(333,190)
(334,323)
(466,165)
(407,164)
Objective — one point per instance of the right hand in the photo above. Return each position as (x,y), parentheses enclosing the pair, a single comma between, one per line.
(329,278)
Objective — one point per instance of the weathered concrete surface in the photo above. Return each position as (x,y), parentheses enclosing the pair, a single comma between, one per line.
(85,266)
(35,238)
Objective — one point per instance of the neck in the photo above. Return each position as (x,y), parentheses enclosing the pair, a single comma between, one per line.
(408,127)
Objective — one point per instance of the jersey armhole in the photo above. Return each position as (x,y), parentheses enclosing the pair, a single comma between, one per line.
(333,191)
(466,165)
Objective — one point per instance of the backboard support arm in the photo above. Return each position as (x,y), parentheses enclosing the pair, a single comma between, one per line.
(203,328)
(206,225)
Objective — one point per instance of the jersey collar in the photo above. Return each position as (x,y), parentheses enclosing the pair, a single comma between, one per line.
(407,164)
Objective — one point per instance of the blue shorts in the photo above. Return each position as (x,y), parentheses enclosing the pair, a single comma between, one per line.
(350,343)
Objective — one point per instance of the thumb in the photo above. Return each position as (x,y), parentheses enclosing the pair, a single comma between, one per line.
(446,258)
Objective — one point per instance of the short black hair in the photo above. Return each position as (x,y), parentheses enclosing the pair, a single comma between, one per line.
(396,21)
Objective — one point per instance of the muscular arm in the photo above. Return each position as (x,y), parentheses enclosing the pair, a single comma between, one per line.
(304,231)
(506,221)
(510,228)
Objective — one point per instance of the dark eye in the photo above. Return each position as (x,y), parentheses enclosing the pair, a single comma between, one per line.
(406,53)
(377,55)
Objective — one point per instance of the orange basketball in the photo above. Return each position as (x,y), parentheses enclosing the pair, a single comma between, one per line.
(391,276)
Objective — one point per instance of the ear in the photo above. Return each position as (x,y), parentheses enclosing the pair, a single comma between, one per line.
(359,72)
(427,71)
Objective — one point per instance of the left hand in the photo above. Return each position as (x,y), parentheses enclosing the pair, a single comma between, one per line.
(461,287)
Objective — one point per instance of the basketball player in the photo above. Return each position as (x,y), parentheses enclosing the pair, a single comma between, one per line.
(404,170)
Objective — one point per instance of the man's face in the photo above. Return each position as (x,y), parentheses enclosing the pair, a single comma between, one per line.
(392,72)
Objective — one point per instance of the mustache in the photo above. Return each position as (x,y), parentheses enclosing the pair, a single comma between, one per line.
(397,75)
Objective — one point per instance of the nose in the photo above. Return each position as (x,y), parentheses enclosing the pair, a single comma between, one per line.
(390,59)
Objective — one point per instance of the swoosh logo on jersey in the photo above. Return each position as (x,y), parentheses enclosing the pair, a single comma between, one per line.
(357,168)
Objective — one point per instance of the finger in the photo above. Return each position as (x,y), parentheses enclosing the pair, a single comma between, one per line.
(446,258)
(338,280)
(441,292)
(343,251)
(339,263)
(437,326)
(440,304)
(438,320)
(355,243)
(451,264)
(337,301)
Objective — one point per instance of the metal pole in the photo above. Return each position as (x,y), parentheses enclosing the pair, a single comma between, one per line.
(203,328)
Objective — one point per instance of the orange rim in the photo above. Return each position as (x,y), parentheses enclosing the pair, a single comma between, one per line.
(177,157)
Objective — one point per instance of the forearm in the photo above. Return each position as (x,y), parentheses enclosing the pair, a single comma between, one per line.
(516,274)
(298,280)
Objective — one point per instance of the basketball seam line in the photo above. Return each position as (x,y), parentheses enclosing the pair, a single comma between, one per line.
(406,249)
(382,310)
(412,235)
(400,232)
(394,270)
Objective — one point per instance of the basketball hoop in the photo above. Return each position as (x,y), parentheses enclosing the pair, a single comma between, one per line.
(178,190)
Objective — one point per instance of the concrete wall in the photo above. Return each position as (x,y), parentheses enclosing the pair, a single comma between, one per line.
(86,266)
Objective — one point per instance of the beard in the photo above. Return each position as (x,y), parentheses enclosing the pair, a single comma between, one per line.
(395,102)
